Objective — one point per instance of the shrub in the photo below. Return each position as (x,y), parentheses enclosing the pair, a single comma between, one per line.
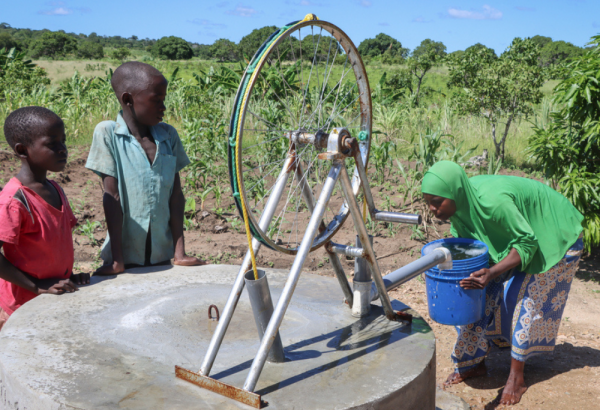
(172,48)
(90,49)
(568,148)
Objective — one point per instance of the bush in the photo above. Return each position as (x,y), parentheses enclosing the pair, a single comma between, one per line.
(568,148)
(16,73)
(172,48)
(121,53)
(90,50)
(53,44)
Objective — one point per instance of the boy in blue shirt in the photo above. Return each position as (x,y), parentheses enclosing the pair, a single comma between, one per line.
(139,158)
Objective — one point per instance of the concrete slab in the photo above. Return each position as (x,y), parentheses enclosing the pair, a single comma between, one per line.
(114,344)
(445,400)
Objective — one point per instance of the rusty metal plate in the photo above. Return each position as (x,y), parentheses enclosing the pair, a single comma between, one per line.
(224,389)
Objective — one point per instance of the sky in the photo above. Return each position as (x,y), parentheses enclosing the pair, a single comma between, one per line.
(457,23)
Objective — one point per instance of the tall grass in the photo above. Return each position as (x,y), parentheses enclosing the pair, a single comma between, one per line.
(82,108)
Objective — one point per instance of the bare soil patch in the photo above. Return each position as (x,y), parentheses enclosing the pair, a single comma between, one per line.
(567,379)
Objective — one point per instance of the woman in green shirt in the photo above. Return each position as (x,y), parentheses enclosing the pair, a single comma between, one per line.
(534,238)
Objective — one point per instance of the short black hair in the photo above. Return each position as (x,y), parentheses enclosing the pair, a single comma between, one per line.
(132,76)
(25,124)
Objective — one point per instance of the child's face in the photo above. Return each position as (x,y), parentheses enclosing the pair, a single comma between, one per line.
(48,151)
(149,104)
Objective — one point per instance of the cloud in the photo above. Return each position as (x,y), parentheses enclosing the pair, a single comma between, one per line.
(384,24)
(488,13)
(206,23)
(304,3)
(365,3)
(420,19)
(242,11)
(59,8)
(523,8)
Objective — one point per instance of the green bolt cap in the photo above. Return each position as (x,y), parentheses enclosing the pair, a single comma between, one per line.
(363,135)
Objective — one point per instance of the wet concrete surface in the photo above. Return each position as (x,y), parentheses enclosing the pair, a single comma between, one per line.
(114,344)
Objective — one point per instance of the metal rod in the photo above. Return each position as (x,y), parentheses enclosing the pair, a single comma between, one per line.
(238,285)
(262,307)
(309,199)
(286,295)
(364,239)
(362,173)
(413,269)
(341,276)
(346,250)
(413,219)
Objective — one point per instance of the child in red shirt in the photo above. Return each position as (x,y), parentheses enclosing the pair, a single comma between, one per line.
(35,217)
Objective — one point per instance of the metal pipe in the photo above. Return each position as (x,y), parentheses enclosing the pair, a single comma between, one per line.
(413,269)
(238,285)
(341,276)
(362,173)
(413,219)
(364,239)
(346,250)
(286,295)
(361,272)
(361,284)
(262,307)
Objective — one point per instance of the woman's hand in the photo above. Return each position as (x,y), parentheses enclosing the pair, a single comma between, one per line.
(478,279)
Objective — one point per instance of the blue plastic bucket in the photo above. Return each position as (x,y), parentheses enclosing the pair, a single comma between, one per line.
(448,303)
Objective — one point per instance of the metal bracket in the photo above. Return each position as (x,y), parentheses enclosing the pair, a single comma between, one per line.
(224,389)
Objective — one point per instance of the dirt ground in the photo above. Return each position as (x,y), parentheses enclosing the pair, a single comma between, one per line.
(567,379)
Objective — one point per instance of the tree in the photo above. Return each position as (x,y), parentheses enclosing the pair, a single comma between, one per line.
(316,48)
(498,87)
(251,42)
(7,42)
(568,147)
(427,46)
(429,53)
(557,52)
(541,41)
(121,53)
(172,48)
(374,47)
(203,51)
(224,50)
(53,44)
(478,46)
(90,49)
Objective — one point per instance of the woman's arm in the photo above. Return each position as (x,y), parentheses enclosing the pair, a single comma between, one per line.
(480,279)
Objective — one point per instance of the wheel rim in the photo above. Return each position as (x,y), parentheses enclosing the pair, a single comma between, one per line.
(285,90)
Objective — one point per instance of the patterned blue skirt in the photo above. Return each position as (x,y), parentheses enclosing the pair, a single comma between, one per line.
(523,311)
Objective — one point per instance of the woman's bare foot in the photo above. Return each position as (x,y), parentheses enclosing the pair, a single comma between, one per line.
(456,377)
(186,260)
(515,385)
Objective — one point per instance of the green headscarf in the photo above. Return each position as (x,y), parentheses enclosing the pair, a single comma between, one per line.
(507,212)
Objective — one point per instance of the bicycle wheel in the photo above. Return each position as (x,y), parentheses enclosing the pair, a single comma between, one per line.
(306,78)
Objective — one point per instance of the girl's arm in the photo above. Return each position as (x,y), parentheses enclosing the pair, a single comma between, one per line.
(10,273)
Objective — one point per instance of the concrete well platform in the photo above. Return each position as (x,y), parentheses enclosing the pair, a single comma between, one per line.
(114,344)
